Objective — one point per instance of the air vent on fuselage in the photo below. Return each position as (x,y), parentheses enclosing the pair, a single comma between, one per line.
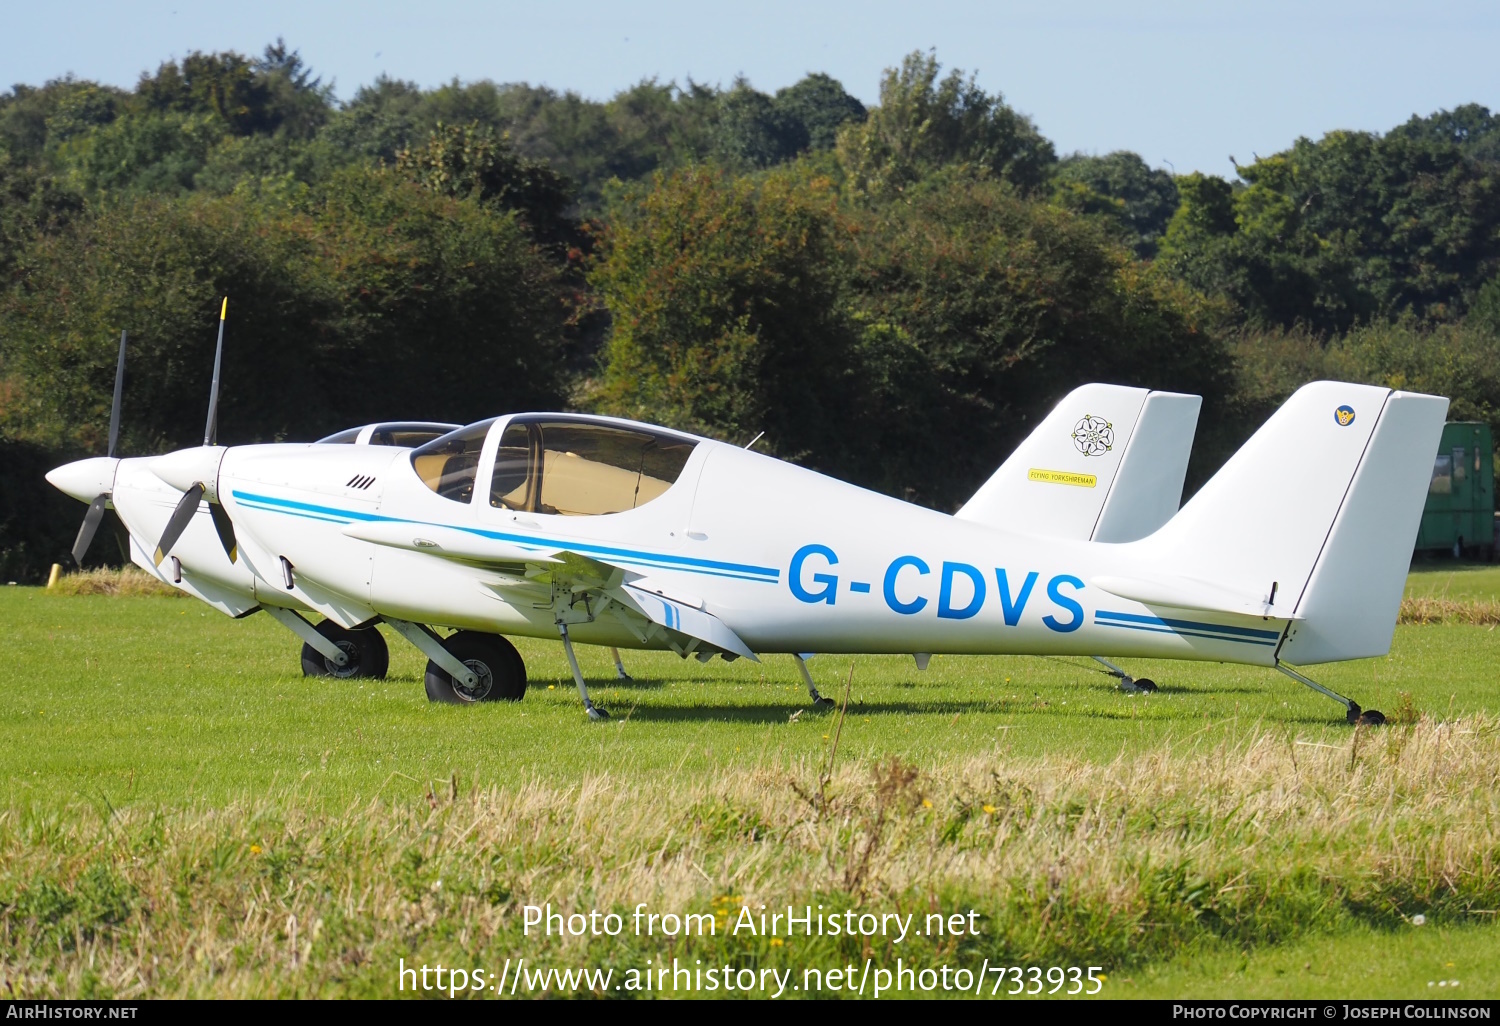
(359,481)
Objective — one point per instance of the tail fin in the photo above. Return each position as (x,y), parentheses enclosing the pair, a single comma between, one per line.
(1315,517)
(1106,464)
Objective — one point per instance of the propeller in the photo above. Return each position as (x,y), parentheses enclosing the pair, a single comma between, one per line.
(92,518)
(187,506)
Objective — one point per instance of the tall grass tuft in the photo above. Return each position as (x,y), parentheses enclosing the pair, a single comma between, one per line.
(128,580)
(1436,609)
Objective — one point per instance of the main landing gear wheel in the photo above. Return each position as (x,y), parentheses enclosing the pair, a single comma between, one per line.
(368,656)
(1145,684)
(495,661)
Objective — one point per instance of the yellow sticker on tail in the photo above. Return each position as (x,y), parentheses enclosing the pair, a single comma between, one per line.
(1063,477)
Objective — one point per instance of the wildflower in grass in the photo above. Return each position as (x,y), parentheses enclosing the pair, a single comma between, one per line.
(255,849)
(777,942)
(989,810)
(926,803)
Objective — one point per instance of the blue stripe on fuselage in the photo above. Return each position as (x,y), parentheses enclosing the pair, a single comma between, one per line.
(1186,628)
(658,560)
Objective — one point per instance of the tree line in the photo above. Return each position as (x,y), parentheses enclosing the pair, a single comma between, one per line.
(892,294)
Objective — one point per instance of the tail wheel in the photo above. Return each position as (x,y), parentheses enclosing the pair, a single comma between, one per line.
(368,655)
(495,661)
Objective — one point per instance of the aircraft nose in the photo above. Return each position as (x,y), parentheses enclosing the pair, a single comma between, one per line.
(186,467)
(84,479)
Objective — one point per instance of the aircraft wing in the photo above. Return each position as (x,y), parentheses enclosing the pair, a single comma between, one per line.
(576,581)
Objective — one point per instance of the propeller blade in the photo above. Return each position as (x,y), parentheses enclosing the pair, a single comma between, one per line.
(181,517)
(225,527)
(114,409)
(90,525)
(121,535)
(211,428)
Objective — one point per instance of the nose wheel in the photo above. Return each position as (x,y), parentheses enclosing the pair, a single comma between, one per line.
(365,653)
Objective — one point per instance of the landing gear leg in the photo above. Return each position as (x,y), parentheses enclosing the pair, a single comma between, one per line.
(1128,683)
(1353,714)
(594,711)
(620,674)
(819,702)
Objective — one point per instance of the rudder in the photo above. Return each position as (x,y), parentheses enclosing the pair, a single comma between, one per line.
(1350,605)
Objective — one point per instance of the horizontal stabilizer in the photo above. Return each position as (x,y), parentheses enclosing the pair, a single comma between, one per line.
(1186,593)
(447,542)
(695,623)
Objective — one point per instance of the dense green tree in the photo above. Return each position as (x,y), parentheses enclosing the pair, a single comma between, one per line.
(378,299)
(33,121)
(1484,314)
(1460,361)
(151,152)
(980,309)
(1470,127)
(380,120)
(475,162)
(276,92)
(1123,188)
(822,106)
(724,293)
(924,123)
(753,131)
(1352,228)
(907,348)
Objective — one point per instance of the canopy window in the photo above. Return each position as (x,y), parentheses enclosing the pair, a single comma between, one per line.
(578,468)
(450,464)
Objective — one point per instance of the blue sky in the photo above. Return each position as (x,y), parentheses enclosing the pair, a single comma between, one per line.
(1185,84)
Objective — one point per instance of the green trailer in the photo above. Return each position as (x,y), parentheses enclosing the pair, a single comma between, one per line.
(1459,517)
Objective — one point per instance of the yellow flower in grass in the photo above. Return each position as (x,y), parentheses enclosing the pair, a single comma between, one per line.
(255,849)
(990,809)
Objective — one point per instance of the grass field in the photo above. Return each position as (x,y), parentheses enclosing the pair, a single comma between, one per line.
(186,814)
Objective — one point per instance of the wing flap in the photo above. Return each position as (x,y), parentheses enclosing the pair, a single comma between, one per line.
(685,619)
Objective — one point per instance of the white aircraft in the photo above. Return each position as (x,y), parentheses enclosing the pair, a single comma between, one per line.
(617,533)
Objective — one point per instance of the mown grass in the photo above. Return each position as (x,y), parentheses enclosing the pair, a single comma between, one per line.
(186,814)
(1454,581)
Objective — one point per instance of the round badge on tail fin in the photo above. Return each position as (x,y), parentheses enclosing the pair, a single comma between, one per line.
(1094,436)
(1344,416)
